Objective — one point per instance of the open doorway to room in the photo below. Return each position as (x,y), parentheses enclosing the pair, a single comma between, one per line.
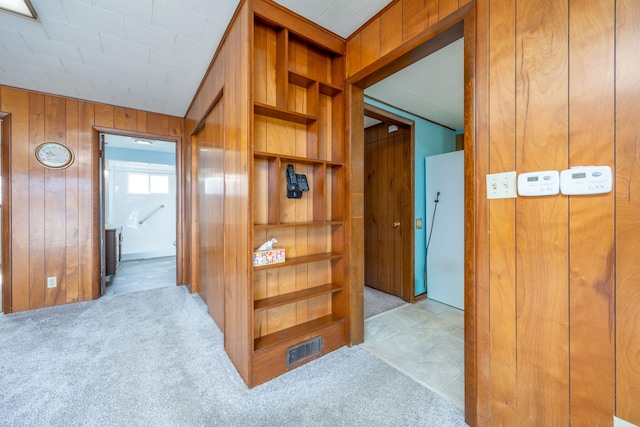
(138,213)
(426,339)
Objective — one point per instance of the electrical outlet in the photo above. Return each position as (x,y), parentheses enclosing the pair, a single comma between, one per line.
(502,185)
(52,282)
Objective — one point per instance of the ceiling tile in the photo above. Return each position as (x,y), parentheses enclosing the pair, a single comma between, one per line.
(169,62)
(147,35)
(71,34)
(124,49)
(52,48)
(140,10)
(13,39)
(34,59)
(52,9)
(340,20)
(310,9)
(98,20)
(177,19)
(83,70)
(9,66)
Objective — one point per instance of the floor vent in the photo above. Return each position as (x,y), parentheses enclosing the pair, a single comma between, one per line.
(304,351)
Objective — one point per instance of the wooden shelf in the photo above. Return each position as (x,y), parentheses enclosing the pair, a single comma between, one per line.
(284,335)
(301,260)
(282,114)
(291,297)
(295,159)
(297,224)
(305,81)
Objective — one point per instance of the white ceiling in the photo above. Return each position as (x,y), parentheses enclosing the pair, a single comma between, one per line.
(152,54)
(432,88)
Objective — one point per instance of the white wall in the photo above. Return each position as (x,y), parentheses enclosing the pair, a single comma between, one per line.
(445,258)
(157,235)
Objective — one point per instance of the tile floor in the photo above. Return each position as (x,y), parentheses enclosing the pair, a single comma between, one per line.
(425,341)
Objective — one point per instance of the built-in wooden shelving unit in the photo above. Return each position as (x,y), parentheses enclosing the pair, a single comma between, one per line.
(298,109)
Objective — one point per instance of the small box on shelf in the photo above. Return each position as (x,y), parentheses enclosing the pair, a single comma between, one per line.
(267,257)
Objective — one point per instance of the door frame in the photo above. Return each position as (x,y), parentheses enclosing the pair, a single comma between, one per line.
(98,177)
(5,174)
(408,210)
(461,23)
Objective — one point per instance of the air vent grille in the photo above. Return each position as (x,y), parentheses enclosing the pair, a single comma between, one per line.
(304,351)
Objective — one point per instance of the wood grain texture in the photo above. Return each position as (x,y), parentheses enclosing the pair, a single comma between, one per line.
(541,243)
(627,192)
(502,245)
(591,269)
(371,47)
(54,212)
(390,30)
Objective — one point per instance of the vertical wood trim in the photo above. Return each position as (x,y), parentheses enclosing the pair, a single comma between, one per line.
(542,245)
(72,198)
(104,115)
(502,213)
(36,205)
(54,205)
(476,160)
(627,208)
(390,29)
(354,54)
(89,259)
(5,166)
(371,47)
(591,268)
(355,211)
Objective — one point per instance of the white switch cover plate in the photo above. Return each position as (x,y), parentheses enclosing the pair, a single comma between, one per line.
(52,282)
(502,185)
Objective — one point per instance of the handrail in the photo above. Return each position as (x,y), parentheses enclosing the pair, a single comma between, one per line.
(152,213)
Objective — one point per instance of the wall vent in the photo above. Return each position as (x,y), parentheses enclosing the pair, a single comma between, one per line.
(304,351)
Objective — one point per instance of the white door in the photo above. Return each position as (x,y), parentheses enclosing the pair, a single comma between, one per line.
(444,173)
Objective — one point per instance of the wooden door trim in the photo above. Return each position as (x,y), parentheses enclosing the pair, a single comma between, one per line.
(458,24)
(6,212)
(408,213)
(96,131)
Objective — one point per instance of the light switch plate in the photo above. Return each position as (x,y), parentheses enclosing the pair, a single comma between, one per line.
(502,185)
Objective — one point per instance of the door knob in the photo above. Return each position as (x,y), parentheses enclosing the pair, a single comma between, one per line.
(395,224)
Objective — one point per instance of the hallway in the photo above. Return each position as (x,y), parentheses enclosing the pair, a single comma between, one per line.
(143,274)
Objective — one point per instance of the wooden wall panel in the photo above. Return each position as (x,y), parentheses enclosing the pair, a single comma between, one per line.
(54,212)
(390,30)
(72,204)
(627,211)
(398,23)
(371,42)
(36,203)
(502,245)
(556,320)
(591,268)
(16,102)
(541,237)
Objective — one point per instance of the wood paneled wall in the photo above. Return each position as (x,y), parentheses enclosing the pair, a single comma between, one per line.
(395,27)
(54,212)
(226,81)
(557,279)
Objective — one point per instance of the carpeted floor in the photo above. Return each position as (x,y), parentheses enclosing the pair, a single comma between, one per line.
(154,358)
(376,302)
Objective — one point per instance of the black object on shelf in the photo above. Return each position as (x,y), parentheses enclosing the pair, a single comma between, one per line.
(296,183)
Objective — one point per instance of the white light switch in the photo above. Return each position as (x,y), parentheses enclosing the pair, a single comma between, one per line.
(502,185)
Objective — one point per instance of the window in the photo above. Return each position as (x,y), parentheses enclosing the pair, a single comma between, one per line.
(144,183)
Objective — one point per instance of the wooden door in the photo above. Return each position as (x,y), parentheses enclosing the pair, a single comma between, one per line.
(387,196)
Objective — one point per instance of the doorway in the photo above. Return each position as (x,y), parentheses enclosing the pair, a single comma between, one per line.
(433,333)
(138,213)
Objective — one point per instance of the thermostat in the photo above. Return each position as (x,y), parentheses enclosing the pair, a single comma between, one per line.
(582,180)
(542,183)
